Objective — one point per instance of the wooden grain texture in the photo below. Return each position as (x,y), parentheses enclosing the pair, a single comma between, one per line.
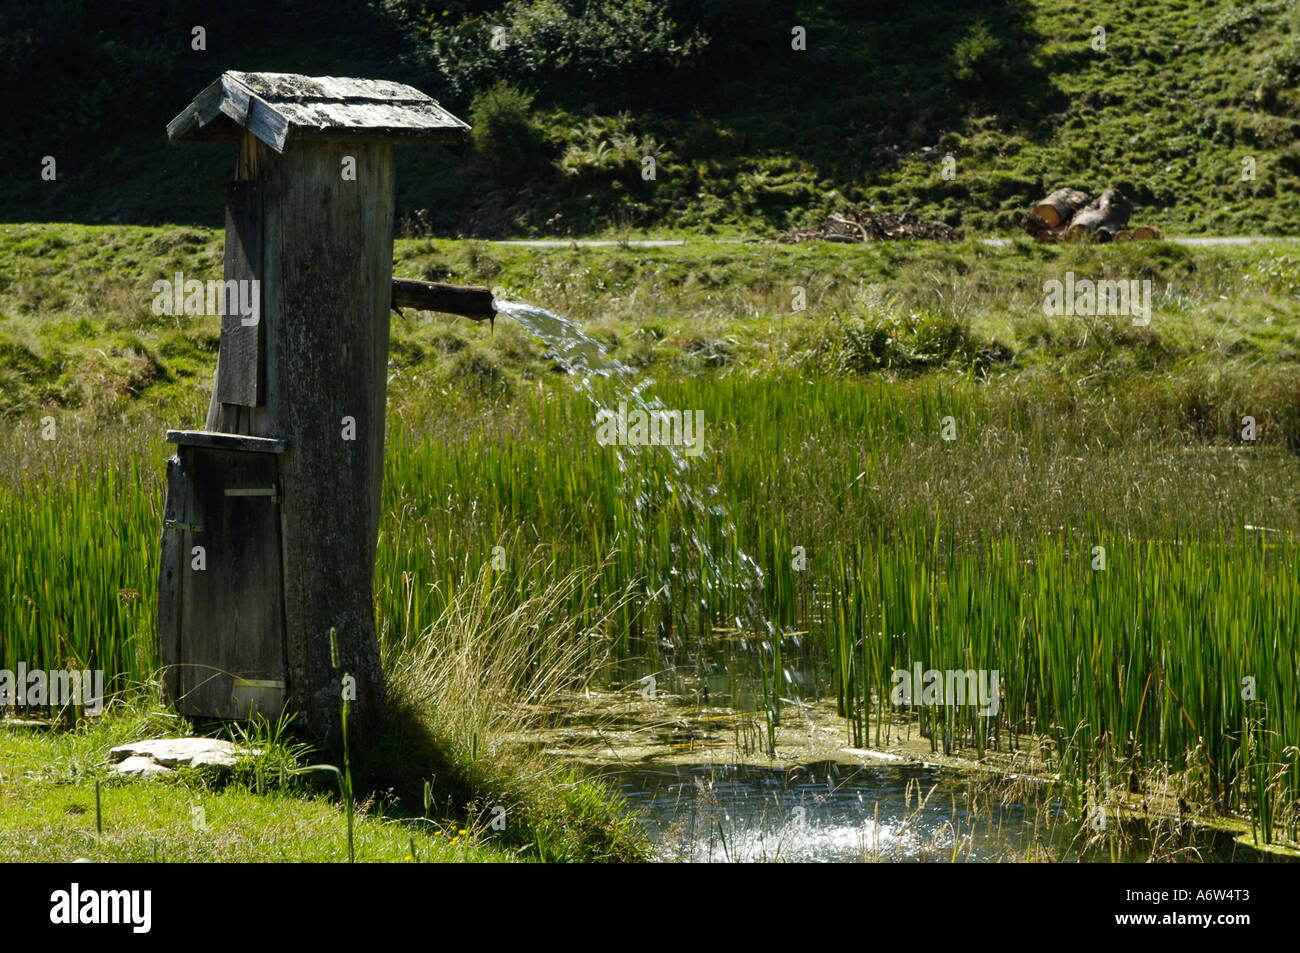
(282,107)
(242,351)
(326,247)
(175,511)
(1056,209)
(327,253)
(194,122)
(231,612)
(238,418)
(467,301)
(1104,215)
(227,441)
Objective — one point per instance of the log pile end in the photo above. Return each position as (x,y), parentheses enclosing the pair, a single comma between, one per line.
(1071,215)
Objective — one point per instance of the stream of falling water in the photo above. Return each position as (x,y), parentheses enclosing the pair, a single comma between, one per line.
(707,571)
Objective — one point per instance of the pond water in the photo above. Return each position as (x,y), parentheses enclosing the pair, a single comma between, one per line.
(825,812)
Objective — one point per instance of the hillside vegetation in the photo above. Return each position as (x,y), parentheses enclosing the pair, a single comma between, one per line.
(749,135)
(78,335)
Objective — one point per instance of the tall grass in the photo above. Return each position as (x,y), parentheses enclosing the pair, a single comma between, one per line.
(1173,653)
(494,666)
(968,553)
(78,558)
(798,463)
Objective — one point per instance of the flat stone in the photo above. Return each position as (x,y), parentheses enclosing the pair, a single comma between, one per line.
(138,766)
(181,752)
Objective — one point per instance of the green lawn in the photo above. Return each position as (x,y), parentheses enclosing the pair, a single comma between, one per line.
(47,786)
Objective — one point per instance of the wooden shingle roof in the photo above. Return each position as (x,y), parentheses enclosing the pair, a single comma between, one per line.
(279,107)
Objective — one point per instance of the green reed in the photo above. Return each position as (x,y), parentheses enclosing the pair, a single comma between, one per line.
(973,553)
(1179,651)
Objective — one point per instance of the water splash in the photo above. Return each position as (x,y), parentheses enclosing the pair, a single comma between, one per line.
(739,814)
(570,347)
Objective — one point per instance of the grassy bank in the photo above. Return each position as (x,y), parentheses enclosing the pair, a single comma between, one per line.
(77,331)
(48,786)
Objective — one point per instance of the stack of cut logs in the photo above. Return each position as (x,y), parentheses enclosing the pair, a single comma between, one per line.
(1069,214)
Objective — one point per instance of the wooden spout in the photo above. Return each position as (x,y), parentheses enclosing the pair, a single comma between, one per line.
(464,300)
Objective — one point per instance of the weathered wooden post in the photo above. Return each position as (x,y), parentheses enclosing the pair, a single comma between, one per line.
(272,511)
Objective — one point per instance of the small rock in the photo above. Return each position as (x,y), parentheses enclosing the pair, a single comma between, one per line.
(138,766)
(181,752)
